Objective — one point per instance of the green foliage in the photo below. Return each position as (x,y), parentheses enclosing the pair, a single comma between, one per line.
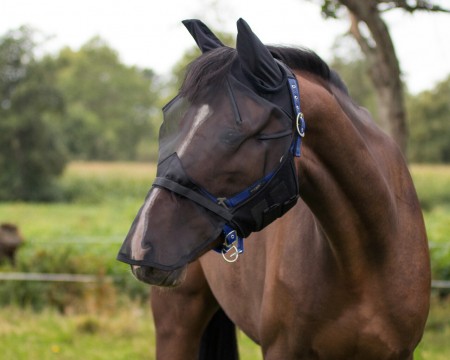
(111,107)
(32,153)
(79,238)
(83,104)
(72,253)
(114,282)
(330,8)
(429,124)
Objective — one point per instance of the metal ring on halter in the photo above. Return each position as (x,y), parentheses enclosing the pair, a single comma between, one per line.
(300,123)
(231,254)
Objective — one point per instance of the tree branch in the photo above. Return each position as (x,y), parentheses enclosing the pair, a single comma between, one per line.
(360,39)
(420,5)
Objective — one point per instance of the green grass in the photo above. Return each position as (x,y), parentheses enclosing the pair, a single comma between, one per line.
(433,185)
(435,344)
(128,333)
(83,236)
(124,334)
(437,223)
(95,182)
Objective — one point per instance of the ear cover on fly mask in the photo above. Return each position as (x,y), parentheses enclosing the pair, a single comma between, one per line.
(258,69)
(204,37)
(256,60)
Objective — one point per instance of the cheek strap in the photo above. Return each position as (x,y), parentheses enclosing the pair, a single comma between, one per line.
(194,196)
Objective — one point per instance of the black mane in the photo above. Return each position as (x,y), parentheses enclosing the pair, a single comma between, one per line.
(209,68)
(301,59)
(307,60)
(213,66)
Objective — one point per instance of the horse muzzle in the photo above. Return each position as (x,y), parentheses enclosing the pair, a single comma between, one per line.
(157,277)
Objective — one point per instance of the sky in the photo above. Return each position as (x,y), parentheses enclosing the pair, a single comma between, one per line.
(149,33)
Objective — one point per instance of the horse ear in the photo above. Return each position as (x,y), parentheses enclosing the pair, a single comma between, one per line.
(256,58)
(204,37)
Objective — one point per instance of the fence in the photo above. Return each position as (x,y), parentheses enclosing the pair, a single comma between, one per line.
(82,278)
(108,240)
(79,278)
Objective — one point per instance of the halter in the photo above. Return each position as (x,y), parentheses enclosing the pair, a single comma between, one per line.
(232,241)
(257,205)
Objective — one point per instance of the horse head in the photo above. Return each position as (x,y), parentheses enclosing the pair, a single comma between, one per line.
(225,166)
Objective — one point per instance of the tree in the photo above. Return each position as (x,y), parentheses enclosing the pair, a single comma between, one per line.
(110,106)
(32,153)
(378,48)
(429,121)
(429,111)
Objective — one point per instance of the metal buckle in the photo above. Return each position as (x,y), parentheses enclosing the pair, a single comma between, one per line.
(300,124)
(232,246)
(230,238)
(222,202)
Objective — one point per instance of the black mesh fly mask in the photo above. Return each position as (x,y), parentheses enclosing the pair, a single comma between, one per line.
(168,241)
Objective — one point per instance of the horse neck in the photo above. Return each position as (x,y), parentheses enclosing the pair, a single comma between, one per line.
(344,177)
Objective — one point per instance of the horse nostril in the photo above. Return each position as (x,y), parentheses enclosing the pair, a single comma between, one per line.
(136,270)
(158,277)
(144,273)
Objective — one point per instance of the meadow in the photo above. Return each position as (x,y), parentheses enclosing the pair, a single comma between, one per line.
(110,318)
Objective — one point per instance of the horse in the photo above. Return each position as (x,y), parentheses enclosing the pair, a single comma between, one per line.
(10,241)
(265,158)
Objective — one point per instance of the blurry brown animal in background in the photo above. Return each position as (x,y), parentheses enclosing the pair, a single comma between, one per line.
(10,240)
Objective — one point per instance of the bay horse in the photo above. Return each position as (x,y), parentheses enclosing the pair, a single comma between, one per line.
(336,262)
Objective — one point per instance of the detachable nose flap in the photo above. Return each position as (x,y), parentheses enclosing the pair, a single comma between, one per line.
(170,230)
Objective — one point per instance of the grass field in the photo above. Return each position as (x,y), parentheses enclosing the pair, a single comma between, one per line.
(68,321)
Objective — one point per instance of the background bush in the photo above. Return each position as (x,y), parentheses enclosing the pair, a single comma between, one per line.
(84,236)
(32,150)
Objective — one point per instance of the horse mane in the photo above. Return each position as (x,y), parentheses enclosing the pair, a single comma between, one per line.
(209,68)
(307,60)
(212,67)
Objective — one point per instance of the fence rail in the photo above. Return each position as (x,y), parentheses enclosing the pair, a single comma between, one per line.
(87,278)
(440,284)
(79,278)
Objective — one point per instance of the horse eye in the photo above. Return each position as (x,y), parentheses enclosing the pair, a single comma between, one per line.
(231,137)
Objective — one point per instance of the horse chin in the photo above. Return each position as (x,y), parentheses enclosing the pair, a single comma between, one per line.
(158,277)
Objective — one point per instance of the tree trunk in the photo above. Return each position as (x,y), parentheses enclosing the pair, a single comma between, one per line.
(384,66)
